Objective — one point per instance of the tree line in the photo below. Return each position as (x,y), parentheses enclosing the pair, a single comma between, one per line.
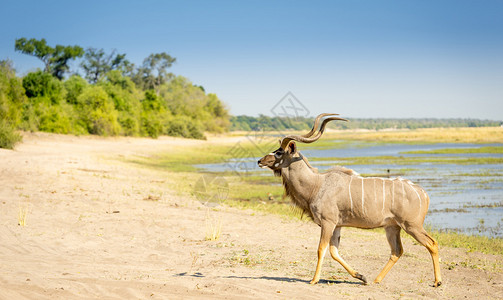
(112,97)
(266,123)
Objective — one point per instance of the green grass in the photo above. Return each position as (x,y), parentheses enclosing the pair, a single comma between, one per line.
(402,160)
(488,150)
(344,143)
(483,205)
(261,179)
(322,144)
(246,191)
(471,243)
(479,174)
(425,135)
(184,159)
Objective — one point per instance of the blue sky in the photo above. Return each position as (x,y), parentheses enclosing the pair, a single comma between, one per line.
(358,58)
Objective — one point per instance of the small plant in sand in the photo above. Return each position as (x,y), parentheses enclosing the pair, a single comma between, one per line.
(195,257)
(21,217)
(213,228)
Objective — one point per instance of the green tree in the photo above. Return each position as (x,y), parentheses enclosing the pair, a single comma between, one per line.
(97,112)
(46,109)
(152,114)
(126,99)
(153,72)
(97,63)
(12,94)
(12,99)
(55,59)
(54,118)
(39,84)
(186,101)
(74,87)
(219,119)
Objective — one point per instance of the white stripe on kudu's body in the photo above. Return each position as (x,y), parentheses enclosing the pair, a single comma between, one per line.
(328,199)
(363,197)
(375,191)
(383,195)
(418,197)
(403,191)
(350,198)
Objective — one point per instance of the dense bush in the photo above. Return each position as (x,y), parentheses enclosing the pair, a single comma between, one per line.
(185,127)
(97,112)
(12,101)
(53,118)
(8,136)
(114,105)
(74,87)
(118,98)
(43,85)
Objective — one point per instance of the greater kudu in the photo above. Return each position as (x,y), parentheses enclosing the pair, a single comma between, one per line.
(342,198)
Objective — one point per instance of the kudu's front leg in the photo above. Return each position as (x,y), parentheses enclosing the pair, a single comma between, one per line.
(327,229)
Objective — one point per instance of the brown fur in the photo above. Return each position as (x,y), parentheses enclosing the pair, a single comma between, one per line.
(303,205)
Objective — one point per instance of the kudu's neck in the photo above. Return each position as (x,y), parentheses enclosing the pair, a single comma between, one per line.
(301,182)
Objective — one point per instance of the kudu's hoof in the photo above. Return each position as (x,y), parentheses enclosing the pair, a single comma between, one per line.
(437,284)
(361,277)
(313,282)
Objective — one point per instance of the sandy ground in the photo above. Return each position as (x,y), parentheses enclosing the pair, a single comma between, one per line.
(97,227)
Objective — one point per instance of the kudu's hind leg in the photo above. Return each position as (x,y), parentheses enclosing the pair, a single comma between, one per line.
(426,240)
(393,236)
(326,232)
(334,251)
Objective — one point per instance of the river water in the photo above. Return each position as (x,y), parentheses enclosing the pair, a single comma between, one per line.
(464,197)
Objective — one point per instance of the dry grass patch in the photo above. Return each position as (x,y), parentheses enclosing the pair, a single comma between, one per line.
(427,135)
(213,227)
(22,214)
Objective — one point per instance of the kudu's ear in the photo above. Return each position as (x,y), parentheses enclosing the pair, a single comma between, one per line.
(292,147)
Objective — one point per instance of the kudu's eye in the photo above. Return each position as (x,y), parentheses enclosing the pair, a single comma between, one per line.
(278,154)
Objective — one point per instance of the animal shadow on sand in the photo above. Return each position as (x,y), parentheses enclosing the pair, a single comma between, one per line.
(282,279)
